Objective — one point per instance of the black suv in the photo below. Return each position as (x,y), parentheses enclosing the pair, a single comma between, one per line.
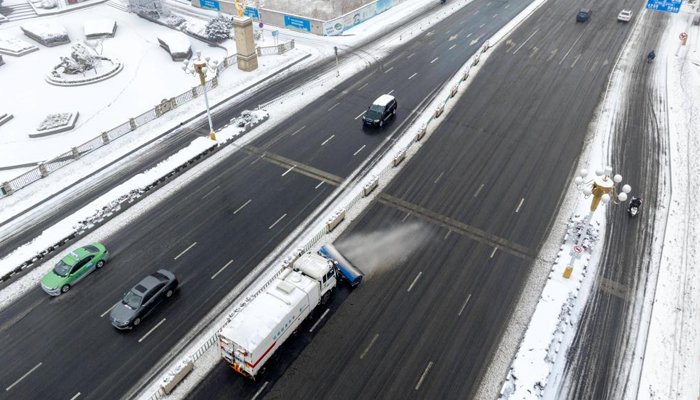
(382,109)
(142,299)
(583,15)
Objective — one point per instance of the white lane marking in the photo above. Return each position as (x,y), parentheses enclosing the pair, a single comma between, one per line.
(478,191)
(572,47)
(495,15)
(440,176)
(23,376)
(334,106)
(488,4)
(452,47)
(185,251)
(594,65)
(280,219)
(298,130)
(464,305)
(75,397)
(363,146)
(289,170)
(414,74)
(414,281)
(260,391)
(430,364)
(448,234)
(476,12)
(319,320)
(447,33)
(257,159)
(392,91)
(327,140)
(506,6)
(520,205)
(470,34)
(362,87)
(404,218)
(151,331)
(210,192)
(364,353)
(493,253)
(110,309)
(523,44)
(363,113)
(387,71)
(319,185)
(412,54)
(222,268)
(576,60)
(482,25)
(241,207)
(436,58)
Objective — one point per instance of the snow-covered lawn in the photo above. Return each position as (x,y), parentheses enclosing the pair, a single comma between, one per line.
(149,75)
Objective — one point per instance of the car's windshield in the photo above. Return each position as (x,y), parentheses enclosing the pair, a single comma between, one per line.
(132,300)
(374,113)
(61,269)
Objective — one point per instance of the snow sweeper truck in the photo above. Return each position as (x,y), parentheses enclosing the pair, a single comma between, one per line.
(258,328)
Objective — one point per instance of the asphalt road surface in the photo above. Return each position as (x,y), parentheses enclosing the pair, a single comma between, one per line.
(598,364)
(484,189)
(215,230)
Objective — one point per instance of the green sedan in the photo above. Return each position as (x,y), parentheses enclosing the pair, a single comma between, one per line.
(75,266)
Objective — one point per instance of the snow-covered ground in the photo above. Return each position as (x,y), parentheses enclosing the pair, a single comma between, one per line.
(149,76)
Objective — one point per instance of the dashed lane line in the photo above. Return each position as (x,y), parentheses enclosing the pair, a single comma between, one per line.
(23,376)
(186,250)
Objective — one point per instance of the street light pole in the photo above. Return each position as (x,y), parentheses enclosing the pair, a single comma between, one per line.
(200,67)
(337,68)
(602,188)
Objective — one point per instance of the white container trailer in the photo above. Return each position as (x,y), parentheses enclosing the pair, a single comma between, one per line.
(252,335)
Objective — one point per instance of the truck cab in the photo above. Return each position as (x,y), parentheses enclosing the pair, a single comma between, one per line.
(320,269)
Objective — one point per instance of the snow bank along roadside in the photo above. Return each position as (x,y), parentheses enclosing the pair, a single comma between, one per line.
(202,352)
(670,361)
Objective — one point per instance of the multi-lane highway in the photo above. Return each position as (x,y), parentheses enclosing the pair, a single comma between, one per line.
(485,188)
(214,230)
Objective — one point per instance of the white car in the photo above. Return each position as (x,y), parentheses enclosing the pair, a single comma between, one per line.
(625,16)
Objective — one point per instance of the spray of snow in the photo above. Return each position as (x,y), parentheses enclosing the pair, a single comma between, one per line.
(379,251)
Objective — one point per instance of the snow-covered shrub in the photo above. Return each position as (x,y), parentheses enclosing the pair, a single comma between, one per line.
(54,121)
(149,8)
(174,20)
(218,29)
(48,4)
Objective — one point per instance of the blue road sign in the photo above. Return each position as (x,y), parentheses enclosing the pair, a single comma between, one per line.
(251,12)
(672,6)
(275,33)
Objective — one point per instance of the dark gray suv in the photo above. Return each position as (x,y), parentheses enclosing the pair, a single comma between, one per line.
(381,110)
(142,299)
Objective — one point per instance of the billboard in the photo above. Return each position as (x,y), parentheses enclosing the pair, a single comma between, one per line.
(210,4)
(296,22)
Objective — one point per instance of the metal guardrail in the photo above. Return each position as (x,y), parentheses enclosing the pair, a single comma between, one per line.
(48,167)
(202,349)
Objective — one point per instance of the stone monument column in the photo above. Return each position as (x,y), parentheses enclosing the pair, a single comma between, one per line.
(246,55)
